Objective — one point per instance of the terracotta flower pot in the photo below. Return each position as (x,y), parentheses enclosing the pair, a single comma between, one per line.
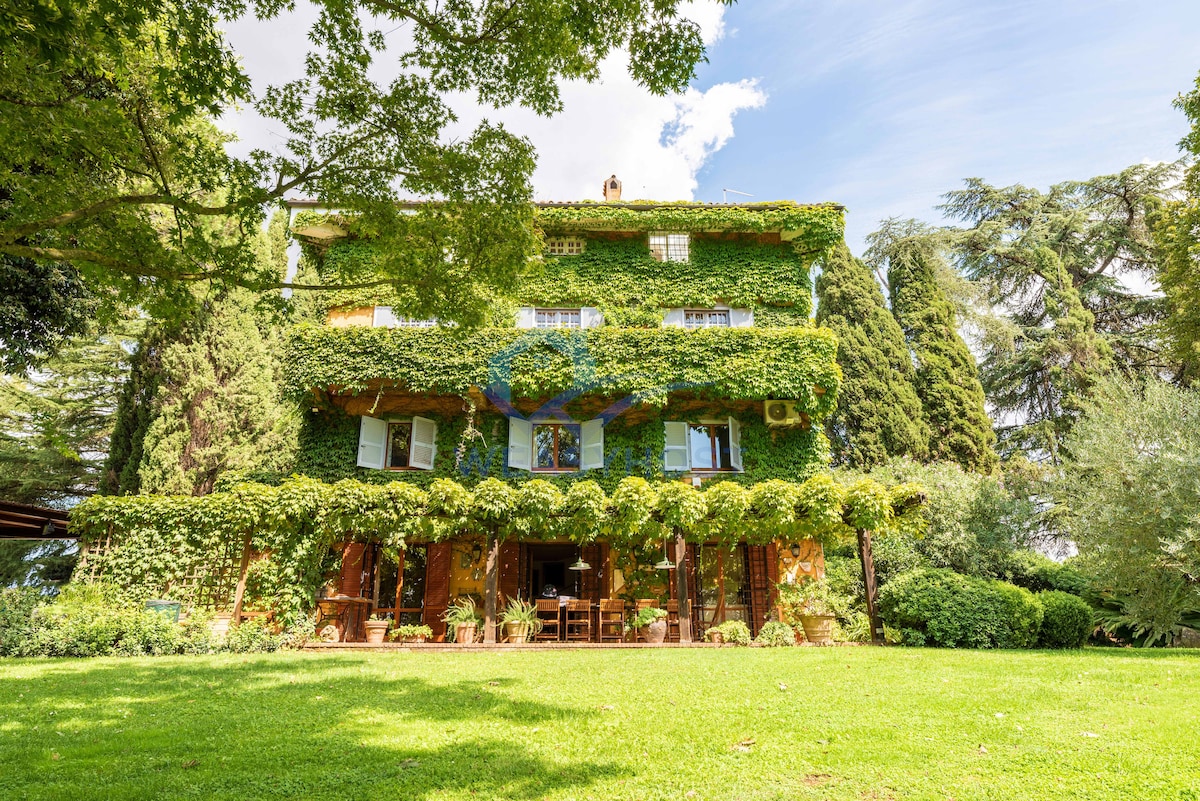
(716,637)
(517,633)
(464,634)
(656,632)
(376,630)
(818,629)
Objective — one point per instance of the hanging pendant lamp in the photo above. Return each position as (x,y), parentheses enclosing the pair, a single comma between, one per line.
(665,564)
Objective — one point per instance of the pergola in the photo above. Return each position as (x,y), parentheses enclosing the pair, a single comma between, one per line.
(19,521)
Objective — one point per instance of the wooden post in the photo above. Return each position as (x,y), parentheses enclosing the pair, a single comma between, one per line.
(240,593)
(872,591)
(399,583)
(491,589)
(681,585)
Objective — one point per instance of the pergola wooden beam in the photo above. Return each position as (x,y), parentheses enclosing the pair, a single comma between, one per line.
(19,521)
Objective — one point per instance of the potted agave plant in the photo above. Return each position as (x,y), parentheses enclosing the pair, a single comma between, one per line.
(520,621)
(463,620)
(377,628)
(651,622)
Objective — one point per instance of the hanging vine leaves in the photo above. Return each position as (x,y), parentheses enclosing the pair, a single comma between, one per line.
(159,539)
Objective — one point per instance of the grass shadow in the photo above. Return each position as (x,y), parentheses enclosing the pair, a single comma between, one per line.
(259,727)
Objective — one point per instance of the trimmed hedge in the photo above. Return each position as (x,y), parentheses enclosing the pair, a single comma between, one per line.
(1067,621)
(950,610)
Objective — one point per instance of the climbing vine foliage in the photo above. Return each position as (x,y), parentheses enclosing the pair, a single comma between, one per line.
(157,540)
(734,363)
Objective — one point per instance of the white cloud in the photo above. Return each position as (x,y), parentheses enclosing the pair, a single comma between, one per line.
(656,145)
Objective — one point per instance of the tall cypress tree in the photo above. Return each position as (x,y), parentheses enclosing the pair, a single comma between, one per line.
(947,376)
(879,414)
(204,400)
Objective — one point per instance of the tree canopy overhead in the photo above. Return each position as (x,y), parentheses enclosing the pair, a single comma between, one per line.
(1177,233)
(113,168)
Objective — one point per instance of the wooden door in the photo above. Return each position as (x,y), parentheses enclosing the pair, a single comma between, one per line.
(437,588)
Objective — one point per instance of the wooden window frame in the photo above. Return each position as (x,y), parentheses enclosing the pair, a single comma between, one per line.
(534,450)
(714,445)
(387,457)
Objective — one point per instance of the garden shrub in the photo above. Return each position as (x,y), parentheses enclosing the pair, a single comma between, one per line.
(1037,572)
(17,606)
(944,608)
(735,632)
(776,633)
(253,636)
(86,620)
(1067,621)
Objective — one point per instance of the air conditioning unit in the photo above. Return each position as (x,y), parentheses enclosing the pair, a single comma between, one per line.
(782,413)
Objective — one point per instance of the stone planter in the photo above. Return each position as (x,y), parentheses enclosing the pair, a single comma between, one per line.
(818,629)
(464,634)
(376,630)
(656,632)
(517,633)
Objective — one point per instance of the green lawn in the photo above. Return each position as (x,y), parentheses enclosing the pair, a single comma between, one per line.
(836,723)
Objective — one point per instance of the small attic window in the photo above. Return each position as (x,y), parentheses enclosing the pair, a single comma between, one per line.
(564,246)
(669,247)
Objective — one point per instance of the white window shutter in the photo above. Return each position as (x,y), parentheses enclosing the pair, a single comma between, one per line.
(673,318)
(520,444)
(590,317)
(592,453)
(741,318)
(383,317)
(372,443)
(526,317)
(735,444)
(424,443)
(675,454)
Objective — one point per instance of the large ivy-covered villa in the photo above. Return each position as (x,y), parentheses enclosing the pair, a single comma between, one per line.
(642,420)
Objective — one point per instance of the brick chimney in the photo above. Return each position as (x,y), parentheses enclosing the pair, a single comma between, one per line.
(612,189)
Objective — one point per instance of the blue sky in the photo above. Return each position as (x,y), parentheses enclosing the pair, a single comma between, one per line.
(881,105)
(884,106)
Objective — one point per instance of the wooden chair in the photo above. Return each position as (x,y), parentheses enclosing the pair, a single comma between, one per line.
(672,621)
(548,613)
(612,620)
(579,620)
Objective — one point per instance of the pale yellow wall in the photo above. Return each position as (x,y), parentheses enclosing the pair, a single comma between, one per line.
(463,580)
(344,318)
(791,569)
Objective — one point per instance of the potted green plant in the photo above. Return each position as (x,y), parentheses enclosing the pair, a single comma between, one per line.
(462,618)
(651,622)
(412,633)
(811,602)
(520,621)
(376,629)
(733,632)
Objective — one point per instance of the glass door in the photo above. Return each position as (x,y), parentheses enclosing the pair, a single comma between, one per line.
(400,586)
